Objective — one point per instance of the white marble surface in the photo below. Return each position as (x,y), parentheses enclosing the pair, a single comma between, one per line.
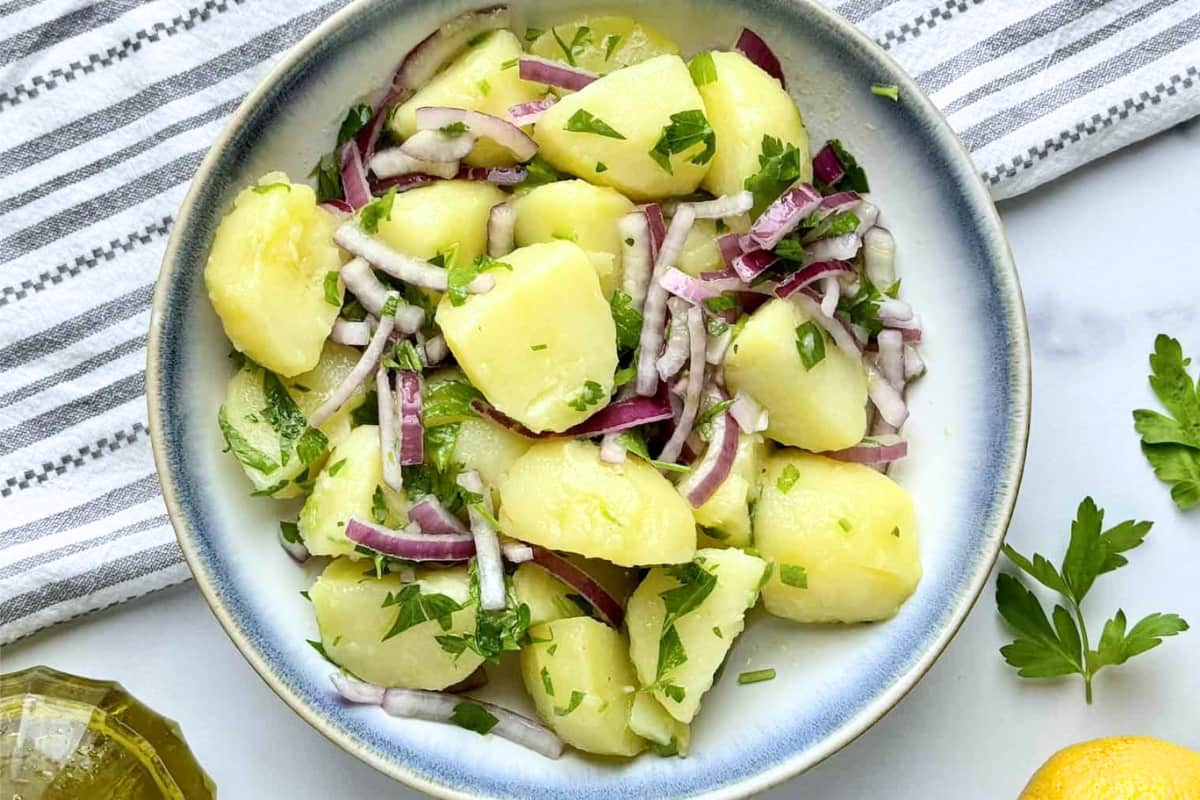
(1109,256)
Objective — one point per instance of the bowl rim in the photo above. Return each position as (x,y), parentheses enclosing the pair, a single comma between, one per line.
(1002,265)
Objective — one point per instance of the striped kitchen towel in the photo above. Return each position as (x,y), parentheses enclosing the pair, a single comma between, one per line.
(107,107)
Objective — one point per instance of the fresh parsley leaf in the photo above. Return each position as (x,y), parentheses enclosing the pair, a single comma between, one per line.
(610,44)
(454,128)
(591,394)
(320,648)
(862,308)
(337,467)
(633,441)
(787,479)
(414,607)
(628,320)
(270,187)
(583,121)
(282,414)
(845,524)
(1179,467)
(241,448)
(271,490)
(581,39)
(601,167)
(531,34)
(473,717)
(720,304)
(714,533)
(374,212)
(837,224)
(485,88)
(333,289)
(695,585)
(537,348)
(810,344)
(448,401)
(686,129)
(674,691)
(572,704)
(794,576)
(311,445)
(1058,645)
(710,412)
(538,172)
(461,275)
(290,532)
(328,172)
(888,90)
(790,249)
(547,683)
(778,168)
(703,69)
(439,444)
(357,118)
(368,412)
(624,375)
(856,177)
(1172,444)
(500,631)
(379,509)
(716,326)
(670,652)
(756,676)
(405,356)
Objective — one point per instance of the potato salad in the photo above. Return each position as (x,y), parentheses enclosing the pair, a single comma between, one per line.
(571,350)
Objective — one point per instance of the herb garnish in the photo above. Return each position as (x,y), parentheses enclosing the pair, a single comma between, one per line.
(547,683)
(379,508)
(810,344)
(245,452)
(357,118)
(833,225)
(756,676)
(583,121)
(703,69)
(794,576)
(270,187)
(888,90)
(581,39)
(374,212)
(610,44)
(473,717)
(633,441)
(461,275)
(333,289)
(686,129)
(695,584)
(856,177)
(778,168)
(1172,444)
(627,319)
(576,698)
(787,479)
(414,607)
(591,394)
(1045,651)
(328,172)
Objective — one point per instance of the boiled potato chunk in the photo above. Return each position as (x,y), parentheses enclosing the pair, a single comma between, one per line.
(700,251)
(823,408)
(579,212)
(725,517)
(266,274)
(540,345)
(346,487)
(608,43)
(637,102)
(488,448)
(582,663)
(442,217)
(744,104)
(549,598)
(349,601)
(476,80)
(651,721)
(706,633)
(849,528)
(246,398)
(562,496)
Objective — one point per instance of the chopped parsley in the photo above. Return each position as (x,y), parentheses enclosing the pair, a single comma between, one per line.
(270,187)
(457,128)
(376,211)
(627,319)
(583,121)
(624,376)
(810,344)
(290,532)
(241,448)
(473,717)
(601,166)
(357,118)
(720,303)
(539,172)
(703,69)
(461,276)
(320,648)
(591,394)
(631,439)
(328,172)
(705,419)
(413,607)
(686,129)
(509,64)
(537,347)
(787,479)
(833,225)
(333,289)
(845,524)
(581,39)
(485,88)
(405,356)
(336,468)
(675,692)
(531,34)
(714,533)
(289,422)
(390,306)
(670,653)
(547,684)
(862,308)
(448,401)
(379,509)
(610,44)
(572,704)
(856,177)
(756,676)
(794,576)
(889,90)
(778,168)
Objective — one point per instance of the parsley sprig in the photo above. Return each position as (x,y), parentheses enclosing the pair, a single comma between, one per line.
(686,130)
(1047,648)
(778,168)
(1172,444)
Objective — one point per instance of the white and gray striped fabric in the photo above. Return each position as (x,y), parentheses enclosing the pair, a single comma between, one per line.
(107,107)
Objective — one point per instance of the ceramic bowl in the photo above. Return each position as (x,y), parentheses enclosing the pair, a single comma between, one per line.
(967,431)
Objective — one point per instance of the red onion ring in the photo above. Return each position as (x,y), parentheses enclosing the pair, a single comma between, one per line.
(553,73)
(523,114)
(438,147)
(493,595)
(606,606)
(395,161)
(389,444)
(729,205)
(412,435)
(404,267)
(654,313)
(877,450)
(748,414)
(338,207)
(750,265)
(751,45)
(433,518)
(827,167)
(730,248)
(365,366)
(714,466)
(500,131)
(431,53)
(658,227)
(678,345)
(811,274)
(354,176)
(409,545)
(355,334)
(691,400)
(636,258)
(682,285)
(784,215)
(501,176)
(886,399)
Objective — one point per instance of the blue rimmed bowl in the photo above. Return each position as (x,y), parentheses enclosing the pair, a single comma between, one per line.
(968,430)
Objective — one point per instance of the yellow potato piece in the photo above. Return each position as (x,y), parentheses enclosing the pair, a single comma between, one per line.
(476,80)
(561,496)
(648,719)
(823,408)
(266,274)
(744,104)
(581,655)
(541,342)
(579,212)
(849,528)
(488,448)
(637,102)
(549,598)
(725,517)
(609,43)
(348,600)
(700,252)
(445,216)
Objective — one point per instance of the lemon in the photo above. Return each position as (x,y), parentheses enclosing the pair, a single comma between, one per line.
(1118,768)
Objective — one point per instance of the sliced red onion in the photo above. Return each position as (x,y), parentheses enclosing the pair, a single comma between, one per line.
(355,334)
(500,131)
(654,312)
(837,203)
(835,248)
(680,284)
(876,450)
(403,183)
(624,414)
(784,215)
(433,518)
(886,399)
(831,293)
(751,45)
(355,691)
(553,73)
(717,346)
(750,265)
(492,592)
(409,319)
(691,401)
(827,167)
(811,274)
(636,260)
(409,543)
(611,450)
(395,161)
(730,249)
(436,350)
(501,176)
(607,607)
(368,136)
(714,466)
(516,552)
(339,207)
(362,370)
(728,205)
(721,275)
(911,331)
(678,346)
(296,550)
(412,435)
(914,365)
(893,311)
(658,227)
(427,58)
(389,442)
(501,228)
(437,146)
(868,215)
(439,707)
(837,331)
(748,414)
(362,283)
(404,267)
(891,358)
(523,114)
(354,176)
